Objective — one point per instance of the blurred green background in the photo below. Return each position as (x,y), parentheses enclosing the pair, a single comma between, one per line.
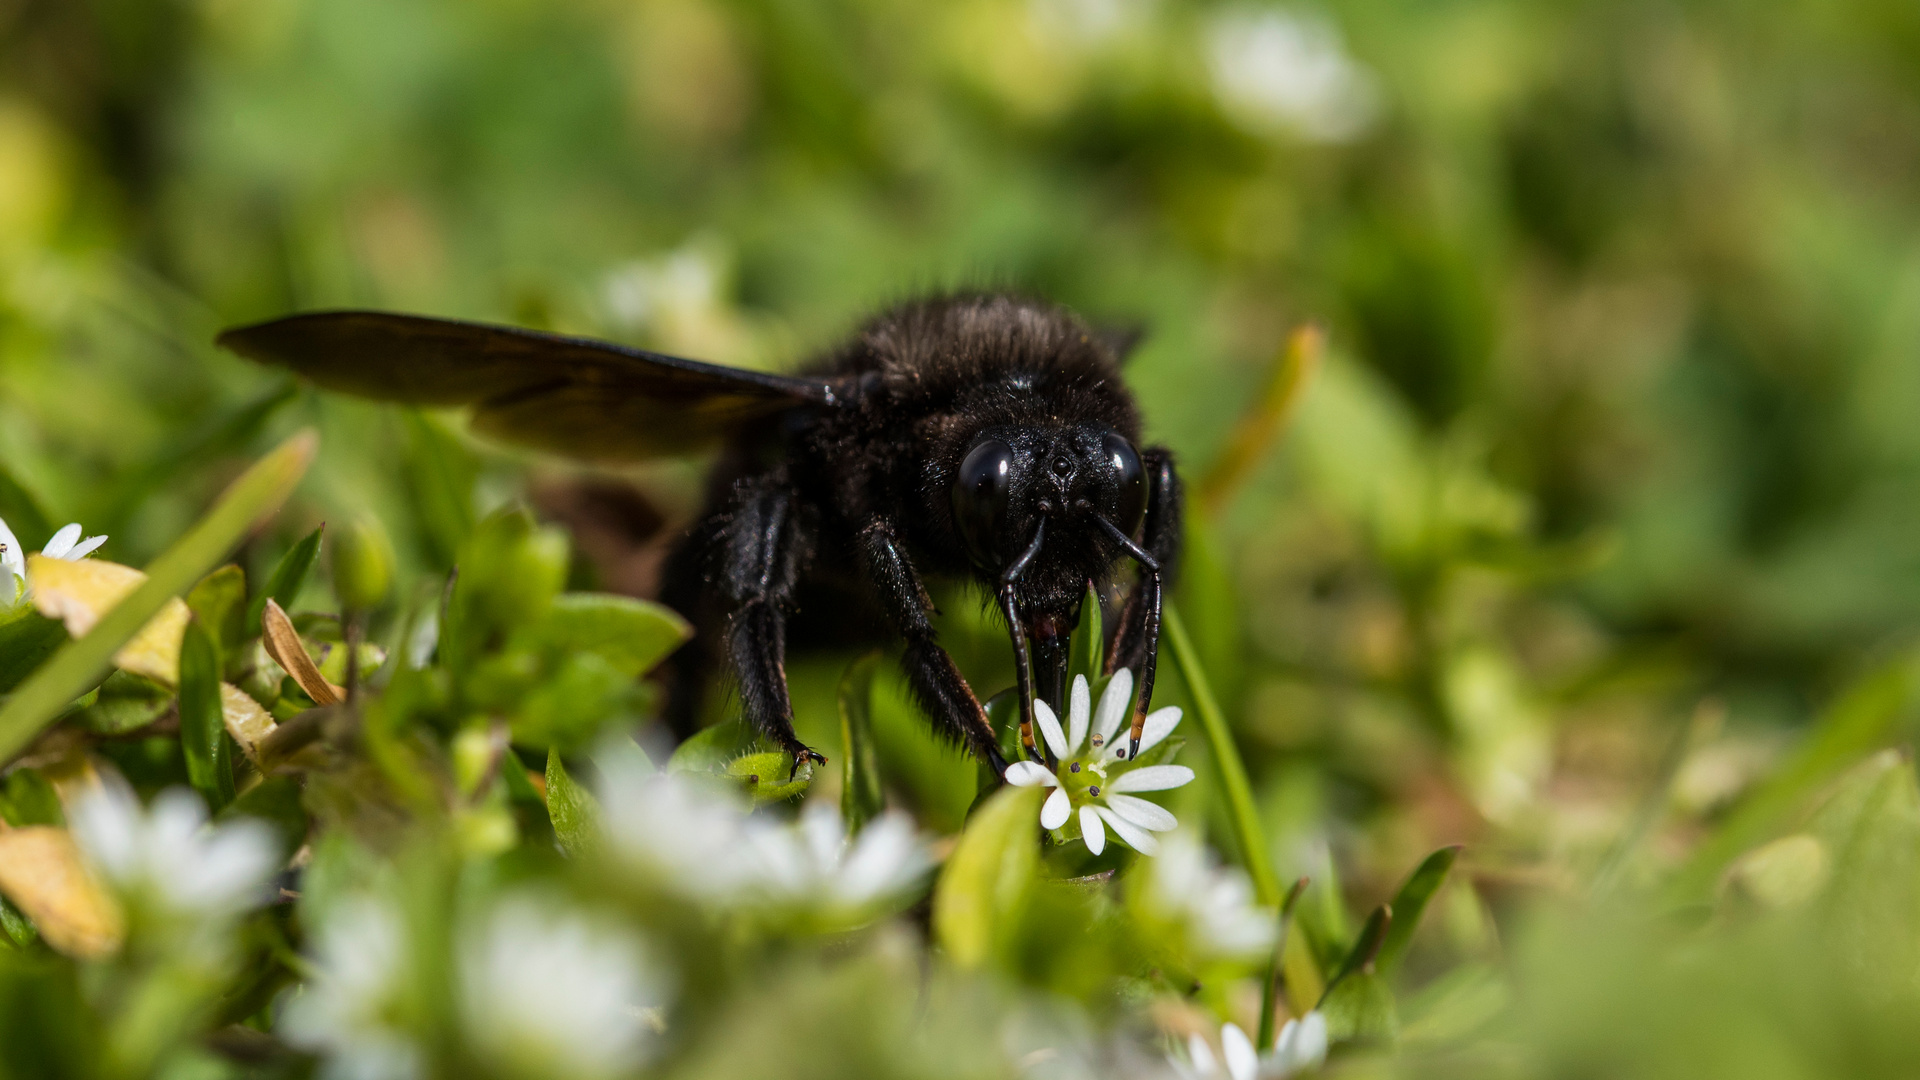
(1612,472)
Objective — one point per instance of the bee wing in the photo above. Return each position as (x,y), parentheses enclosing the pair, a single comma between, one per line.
(574,396)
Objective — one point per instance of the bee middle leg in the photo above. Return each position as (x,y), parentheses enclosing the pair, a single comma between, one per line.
(766,542)
(936,680)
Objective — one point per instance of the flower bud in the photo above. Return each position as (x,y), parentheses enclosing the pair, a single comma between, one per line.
(362,565)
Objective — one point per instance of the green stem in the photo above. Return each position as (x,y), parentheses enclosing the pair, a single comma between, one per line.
(1233,772)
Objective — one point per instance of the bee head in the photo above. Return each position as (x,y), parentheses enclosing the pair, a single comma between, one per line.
(1014,477)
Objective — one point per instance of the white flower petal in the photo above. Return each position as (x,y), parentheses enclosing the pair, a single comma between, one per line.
(107,823)
(1160,723)
(1050,728)
(1056,810)
(1201,1055)
(1143,813)
(1135,837)
(1031,774)
(1302,1044)
(1079,713)
(1092,831)
(62,541)
(1152,778)
(85,548)
(1243,1063)
(1113,705)
(885,859)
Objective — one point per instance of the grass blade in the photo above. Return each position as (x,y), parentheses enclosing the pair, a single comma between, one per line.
(203,729)
(861,799)
(248,500)
(1247,830)
(1409,903)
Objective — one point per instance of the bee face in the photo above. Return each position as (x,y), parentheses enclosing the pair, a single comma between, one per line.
(1013,476)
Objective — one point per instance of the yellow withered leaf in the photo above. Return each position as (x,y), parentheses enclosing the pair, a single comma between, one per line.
(284,645)
(78,593)
(247,722)
(42,872)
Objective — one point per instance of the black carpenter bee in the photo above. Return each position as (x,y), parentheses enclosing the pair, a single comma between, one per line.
(975,436)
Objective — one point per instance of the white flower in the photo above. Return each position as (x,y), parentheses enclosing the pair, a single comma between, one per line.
(814,863)
(353,1007)
(700,842)
(1288,69)
(66,544)
(1094,777)
(1213,904)
(1302,1046)
(550,992)
(169,854)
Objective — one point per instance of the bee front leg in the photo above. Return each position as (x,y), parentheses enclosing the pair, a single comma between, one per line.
(765,545)
(937,683)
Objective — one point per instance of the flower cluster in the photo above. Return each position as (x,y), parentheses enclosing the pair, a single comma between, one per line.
(66,544)
(707,845)
(543,989)
(1092,775)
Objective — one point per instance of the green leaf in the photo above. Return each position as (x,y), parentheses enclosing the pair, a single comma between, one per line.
(861,798)
(632,635)
(203,729)
(1408,905)
(711,748)
(276,801)
(1870,828)
(1858,721)
(1361,1009)
(287,579)
(510,572)
(23,514)
(1087,654)
(219,601)
(27,638)
(15,927)
(769,776)
(568,709)
(573,809)
(28,798)
(441,472)
(126,702)
(254,496)
(983,890)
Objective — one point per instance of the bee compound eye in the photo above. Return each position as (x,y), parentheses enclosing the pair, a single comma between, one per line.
(980,492)
(1130,489)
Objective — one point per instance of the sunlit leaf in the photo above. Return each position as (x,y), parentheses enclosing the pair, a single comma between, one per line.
(573,809)
(982,891)
(1361,1008)
(42,873)
(80,593)
(632,635)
